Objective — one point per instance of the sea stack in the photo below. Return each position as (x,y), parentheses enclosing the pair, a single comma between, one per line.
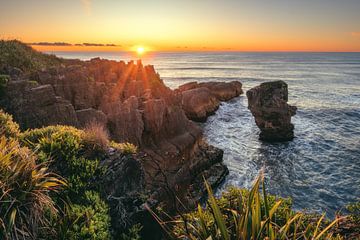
(268,104)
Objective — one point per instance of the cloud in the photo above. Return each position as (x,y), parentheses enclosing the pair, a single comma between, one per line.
(86,6)
(355,34)
(76,44)
(50,44)
(97,45)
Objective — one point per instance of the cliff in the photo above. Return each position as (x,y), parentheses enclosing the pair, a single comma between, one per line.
(130,100)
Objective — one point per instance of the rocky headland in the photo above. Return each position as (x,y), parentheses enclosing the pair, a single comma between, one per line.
(135,106)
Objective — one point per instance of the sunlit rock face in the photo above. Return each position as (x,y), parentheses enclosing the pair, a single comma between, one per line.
(200,100)
(268,104)
(132,101)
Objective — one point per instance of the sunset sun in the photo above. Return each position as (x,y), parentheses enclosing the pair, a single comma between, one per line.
(140,50)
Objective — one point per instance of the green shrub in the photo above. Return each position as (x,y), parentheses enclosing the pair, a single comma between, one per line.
(125,148)
(24,192)
(133,233)
(64,146)
(16,54)
(34,135)
(8,127)
(354,211)
(242,214)
(89,220)
(87,215)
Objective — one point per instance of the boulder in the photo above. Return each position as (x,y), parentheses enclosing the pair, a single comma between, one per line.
(199,103)
(123,184)
(37,106)
(125,122)
(86,116)
(224,91)
(268,104)
(200,100)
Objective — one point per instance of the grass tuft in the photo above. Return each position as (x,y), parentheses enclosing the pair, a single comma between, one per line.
(96,137)
(25,189)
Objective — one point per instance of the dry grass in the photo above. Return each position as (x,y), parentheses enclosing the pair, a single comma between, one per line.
(96,137)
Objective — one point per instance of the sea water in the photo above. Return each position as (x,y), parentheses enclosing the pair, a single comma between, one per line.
(320,168)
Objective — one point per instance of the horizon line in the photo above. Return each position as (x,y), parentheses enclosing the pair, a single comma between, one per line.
(208,50)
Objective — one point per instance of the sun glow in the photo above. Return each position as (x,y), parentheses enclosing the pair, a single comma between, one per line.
(140,50)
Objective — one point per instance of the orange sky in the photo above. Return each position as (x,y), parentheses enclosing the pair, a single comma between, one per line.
(200,25)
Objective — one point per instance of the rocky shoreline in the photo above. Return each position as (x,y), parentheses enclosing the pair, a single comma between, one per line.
(135,106)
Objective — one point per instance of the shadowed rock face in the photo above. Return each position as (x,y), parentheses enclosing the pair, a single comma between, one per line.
(268,104)
(135,105)
(200,100)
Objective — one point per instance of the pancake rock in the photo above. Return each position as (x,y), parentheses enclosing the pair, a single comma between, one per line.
(200,100)
(268,104)
(135,106)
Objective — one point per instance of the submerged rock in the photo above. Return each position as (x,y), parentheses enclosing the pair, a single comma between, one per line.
(268,104)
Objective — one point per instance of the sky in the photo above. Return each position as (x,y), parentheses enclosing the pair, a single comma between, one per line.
(185,25)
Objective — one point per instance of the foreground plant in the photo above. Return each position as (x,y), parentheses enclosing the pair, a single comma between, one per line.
(247,215)
(25,187)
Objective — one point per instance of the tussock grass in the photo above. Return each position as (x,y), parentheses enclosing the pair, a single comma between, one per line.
(24,191)
(247,215)
(8,127)
(96,137)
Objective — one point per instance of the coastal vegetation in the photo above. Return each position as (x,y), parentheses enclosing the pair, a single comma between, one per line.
(22,56)
(249,214)
(49,190)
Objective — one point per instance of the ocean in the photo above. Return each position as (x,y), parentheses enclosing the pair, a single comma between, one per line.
(320,168)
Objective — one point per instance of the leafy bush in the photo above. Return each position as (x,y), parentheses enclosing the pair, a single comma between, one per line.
(90,219)
(354,210)
(24,192)
(64,145)
(34,135)
(16,54)
(133,233)
(242,214)
(87,215)
(7,126)
(125,148)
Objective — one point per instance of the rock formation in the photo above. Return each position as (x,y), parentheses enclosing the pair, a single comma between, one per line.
(268,104)
(135,105)
(200,100)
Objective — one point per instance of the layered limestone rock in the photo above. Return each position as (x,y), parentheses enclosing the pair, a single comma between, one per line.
(135,105)
(200,100)
(34,105)
(199,103)
(268,104)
